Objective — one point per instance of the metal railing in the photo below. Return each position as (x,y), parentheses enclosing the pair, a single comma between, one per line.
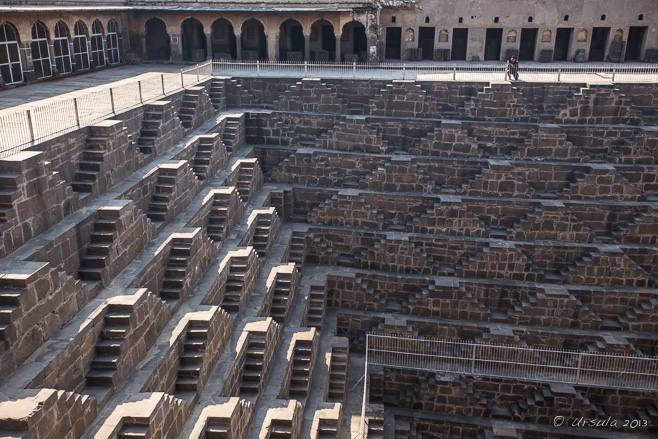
(485,72)
(22,128)
(519,363)
(598,369)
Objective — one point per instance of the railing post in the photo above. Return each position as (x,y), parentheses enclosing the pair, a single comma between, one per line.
(305,67)
(258,68)
(580,360)
(197,73)
(365,392)
(614,72)
(30,122)
(182,80)
(454,72)
(353,69)
(139,83)
(559,72)
(162,80)
(112,101)
(77,113)
(473,360)
(404,70)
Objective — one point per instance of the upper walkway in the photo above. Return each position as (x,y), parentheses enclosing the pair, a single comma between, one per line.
(37,112)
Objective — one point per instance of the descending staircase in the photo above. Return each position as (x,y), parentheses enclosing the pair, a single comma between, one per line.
(233,135)
(150,131)
(90,166)
(100,379)
(218,217)
(246,175)
(328,429)
(281,429)
(191,359)
(232,302)
(337,374)
(375,428)
(282,297)
(315,307)
(9,193)
(253,365)
(262,235)
(297,249)
(10,310)
(174,278)
(217,94)
(97,253)
(301,369)
(131,430)
(188,107)
(164,189)
(202,158)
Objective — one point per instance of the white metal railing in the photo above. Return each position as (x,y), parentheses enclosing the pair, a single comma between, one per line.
(598,369)
(485,72)
(618,371)
(22,128)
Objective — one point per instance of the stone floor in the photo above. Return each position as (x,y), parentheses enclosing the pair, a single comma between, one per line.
(40,92)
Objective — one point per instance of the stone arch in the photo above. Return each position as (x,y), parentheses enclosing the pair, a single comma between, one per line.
(223,39)
(254,41)
(158,44)
(546,36)
(511,36)
(619,35)
(291,40)
(322,41)
(11,69)
(193,40)
(97,44)
(63,60)
(353,40)
(409,35)
(582,36)
(80,48)
(444,36)
(40,51)
(112,42)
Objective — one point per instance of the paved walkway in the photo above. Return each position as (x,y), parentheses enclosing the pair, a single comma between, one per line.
(42,90)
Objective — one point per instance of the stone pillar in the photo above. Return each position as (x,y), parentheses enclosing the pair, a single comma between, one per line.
(371,37)
(176,48)
(307,47)
(238,46)
(271,46)
(209,53)
(142,37)
(53,64)
(338,37)
(89,54)
(26,60)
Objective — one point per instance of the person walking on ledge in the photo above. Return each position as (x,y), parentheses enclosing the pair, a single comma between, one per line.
(512,69)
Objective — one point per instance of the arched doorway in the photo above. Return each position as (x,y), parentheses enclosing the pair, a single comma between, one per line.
(194,40)
(97,49)
(254,43)
(10,55)
(63,60)
(158,47)
(353,40)
(291,41)
(112,41)
(323,41)
(40,52)
(223,40)
(80,50)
